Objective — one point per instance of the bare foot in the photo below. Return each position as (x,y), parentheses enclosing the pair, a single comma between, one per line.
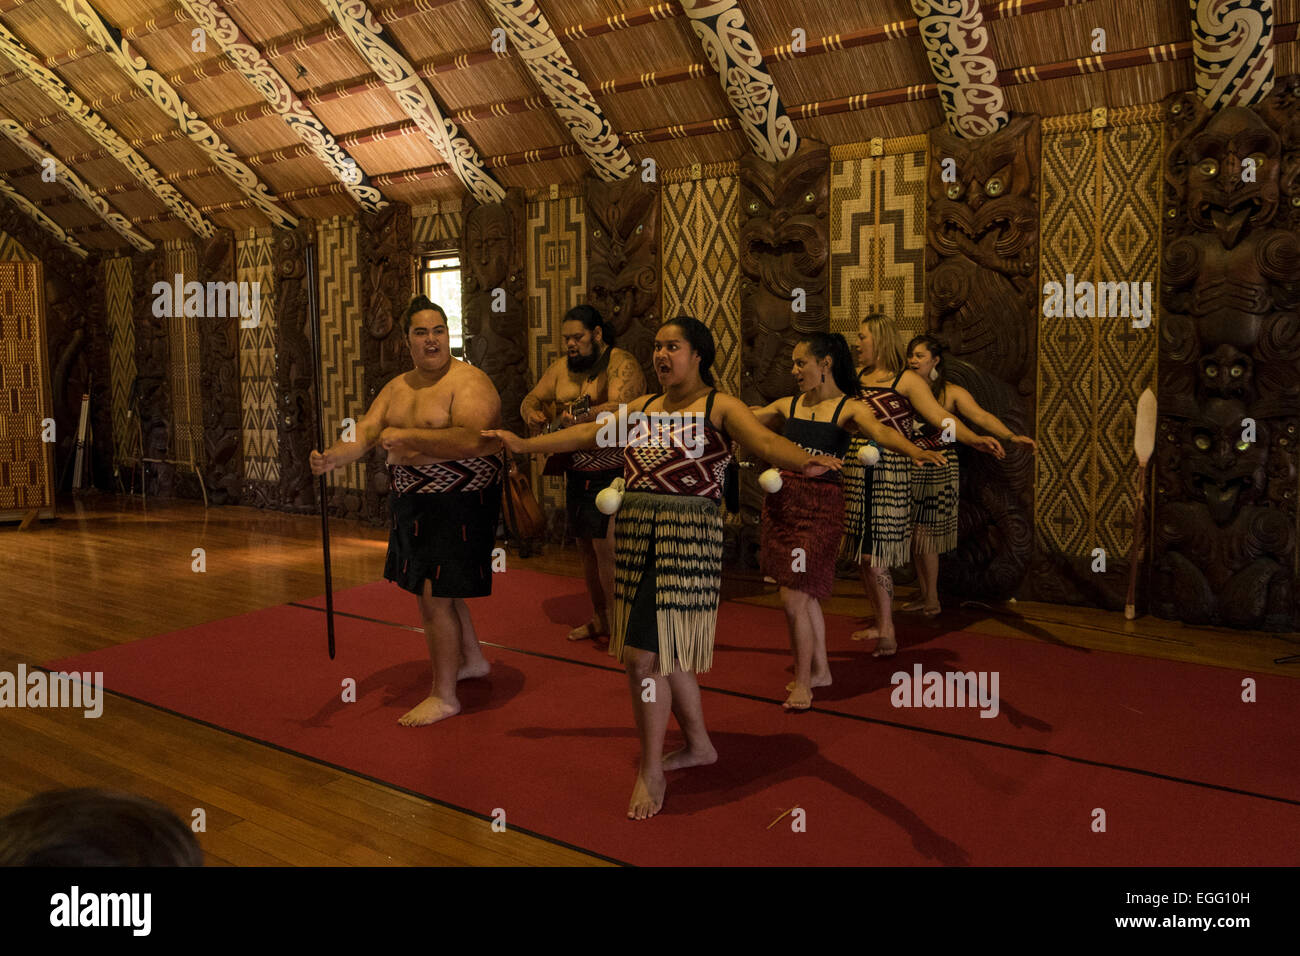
(480,668)
(800,699)
(887,647)
(686,757)
(929,610)
(429,711)
(647,796)
(866,634)
(592,629)
(818,680)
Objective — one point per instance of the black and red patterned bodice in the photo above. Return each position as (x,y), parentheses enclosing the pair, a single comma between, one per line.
(889,406)
(677,454)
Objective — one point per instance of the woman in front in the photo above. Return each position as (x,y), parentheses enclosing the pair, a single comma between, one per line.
(668,540)
(935,490)
(797,551)
(878,500)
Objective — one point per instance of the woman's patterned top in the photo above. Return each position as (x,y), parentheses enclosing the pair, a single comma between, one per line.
(889,406)
(676,453)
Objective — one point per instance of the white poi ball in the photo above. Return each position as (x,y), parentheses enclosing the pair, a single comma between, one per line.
(770,481)
(609,500)
(869,455)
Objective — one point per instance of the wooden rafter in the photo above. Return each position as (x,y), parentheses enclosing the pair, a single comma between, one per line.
(170,102)
(378,50)
(97,129)
(956,44)
(262,77)
(733,53)
(545,57)
(1232,46)
(72,182)
(49,225)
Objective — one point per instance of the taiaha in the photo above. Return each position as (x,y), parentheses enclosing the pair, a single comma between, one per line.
(1144,441)
(313,319)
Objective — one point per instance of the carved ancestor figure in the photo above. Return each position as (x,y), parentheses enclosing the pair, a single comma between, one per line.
(623,262)
(223,465)
(981,265)
(492,298)
(294,370)
(1225,523)
(784,255)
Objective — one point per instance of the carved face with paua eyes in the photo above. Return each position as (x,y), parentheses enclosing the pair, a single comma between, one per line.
(1226,194)
(1218,464)
(1226,372)
(982,203)
(784,255)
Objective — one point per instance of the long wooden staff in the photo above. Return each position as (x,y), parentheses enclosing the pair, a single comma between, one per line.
(1144,441)
(313,318)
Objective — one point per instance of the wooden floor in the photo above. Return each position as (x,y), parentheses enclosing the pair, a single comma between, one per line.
(109,570)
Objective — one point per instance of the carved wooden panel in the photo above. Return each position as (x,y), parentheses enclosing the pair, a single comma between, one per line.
(295,372)
(385,249)
(623,262)
(1229,365)
(982,296)
(784,257)
(493,298)
(151,396)
(219,378)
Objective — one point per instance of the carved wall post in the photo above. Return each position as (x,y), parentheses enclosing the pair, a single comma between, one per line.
(493,294)
(295,370)
(623,262)
(219,377)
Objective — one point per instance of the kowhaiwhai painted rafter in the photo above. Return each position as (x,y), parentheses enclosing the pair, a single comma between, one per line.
(170,102)
(734,54)
(375,46)
(555,73)
(97,129)
(263,77)
(955,41)
(1232,45)
(52,227)
(73,183)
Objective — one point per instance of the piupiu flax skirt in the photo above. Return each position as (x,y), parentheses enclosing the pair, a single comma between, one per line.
(877,507)
(667,577)
(934,504)
(801,533)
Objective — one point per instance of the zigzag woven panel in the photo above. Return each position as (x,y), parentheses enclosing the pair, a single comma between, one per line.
(1066,402)
(257,364)
(557,281)
(901,215)
(1100,224)
(26,462)
(700,262)
(121,354)
(343,373)
(438,231)
(855,243)
(12,250)
(1129,243)
(181,259)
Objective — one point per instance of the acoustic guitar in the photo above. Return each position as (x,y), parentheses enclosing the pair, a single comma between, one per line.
(558,463)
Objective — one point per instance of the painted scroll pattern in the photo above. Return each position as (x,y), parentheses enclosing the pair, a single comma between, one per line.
(955,41)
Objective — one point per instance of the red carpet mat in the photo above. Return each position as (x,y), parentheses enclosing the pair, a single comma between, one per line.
(551,742)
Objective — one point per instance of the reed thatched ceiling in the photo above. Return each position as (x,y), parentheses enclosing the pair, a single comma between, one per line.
(497,104)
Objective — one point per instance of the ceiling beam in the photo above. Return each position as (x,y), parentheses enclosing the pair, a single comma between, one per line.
(130,62)
(1232,46)
(97,129)
(280,97)
(72,182)
(44,221)
(956,41)
(559,79)
(733,53)
(374,45)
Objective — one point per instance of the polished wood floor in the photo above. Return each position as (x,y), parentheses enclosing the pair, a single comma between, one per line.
(110,570)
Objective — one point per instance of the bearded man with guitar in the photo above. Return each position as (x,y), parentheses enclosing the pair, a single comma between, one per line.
(591,377)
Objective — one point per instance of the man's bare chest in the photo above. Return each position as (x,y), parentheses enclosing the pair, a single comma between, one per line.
(425,407)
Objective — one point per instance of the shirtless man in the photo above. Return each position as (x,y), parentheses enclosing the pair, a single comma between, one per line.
(610,377)
(446,481)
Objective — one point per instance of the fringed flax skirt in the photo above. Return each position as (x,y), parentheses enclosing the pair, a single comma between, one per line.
(877,507)
(934,504)
(667,577)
